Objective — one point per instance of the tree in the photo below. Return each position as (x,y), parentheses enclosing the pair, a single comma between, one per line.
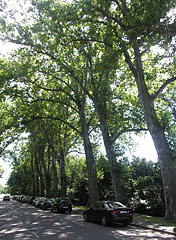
(52,56)
(134,28)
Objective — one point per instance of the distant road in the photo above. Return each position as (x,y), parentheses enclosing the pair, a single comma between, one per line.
(24,222)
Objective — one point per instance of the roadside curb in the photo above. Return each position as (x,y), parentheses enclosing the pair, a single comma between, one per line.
(153,228)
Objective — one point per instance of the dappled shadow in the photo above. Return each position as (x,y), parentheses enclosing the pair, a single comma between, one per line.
(25,222)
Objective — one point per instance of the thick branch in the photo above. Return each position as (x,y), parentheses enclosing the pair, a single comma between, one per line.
(54,101)
(52,118)
(137,130)
(157,93)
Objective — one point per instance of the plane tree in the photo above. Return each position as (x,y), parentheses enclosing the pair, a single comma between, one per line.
(137,28)
(41,81)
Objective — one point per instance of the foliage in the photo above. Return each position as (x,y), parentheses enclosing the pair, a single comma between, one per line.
(77,180)
(71,61)
(147,188)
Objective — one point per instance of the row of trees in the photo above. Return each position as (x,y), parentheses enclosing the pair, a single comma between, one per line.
(88,70)
(141,180)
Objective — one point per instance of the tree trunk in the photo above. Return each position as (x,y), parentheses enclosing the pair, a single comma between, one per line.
(90,161)
(40,158)
(114,168)
(46,171)
(55,177)
(166,161)
(63,191)
(37,188)
(33,175)
(167,165)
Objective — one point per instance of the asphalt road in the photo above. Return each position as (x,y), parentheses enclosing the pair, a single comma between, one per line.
(24,222)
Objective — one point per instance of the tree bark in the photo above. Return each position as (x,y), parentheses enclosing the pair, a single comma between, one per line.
(46,171)
(40,168)
(63,192)
(37,188)
(115,170)
(157,131)
(33,175)
(90,161)
(55,177)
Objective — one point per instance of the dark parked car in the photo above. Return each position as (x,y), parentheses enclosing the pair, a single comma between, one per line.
(107,212)
(62,204)
(6,198)
(47,203)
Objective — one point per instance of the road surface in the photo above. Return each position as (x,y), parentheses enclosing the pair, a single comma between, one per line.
(24,222)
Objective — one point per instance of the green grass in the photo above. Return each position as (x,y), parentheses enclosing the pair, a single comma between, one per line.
(151,219)
(80,207)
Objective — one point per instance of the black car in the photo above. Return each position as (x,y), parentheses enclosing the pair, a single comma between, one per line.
(6,198)
(107,212)
(47,203)
(62,204)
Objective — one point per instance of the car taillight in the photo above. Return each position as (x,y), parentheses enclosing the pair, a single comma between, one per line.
(129,211)
(115,212)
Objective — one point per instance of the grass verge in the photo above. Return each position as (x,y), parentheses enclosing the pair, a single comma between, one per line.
(156,220)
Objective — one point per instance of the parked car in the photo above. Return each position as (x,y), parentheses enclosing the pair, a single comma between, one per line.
(6,198)
(108,212)
(39,201)
(47,203)
(62,204)
(35,200)
(25,199)
(19,197)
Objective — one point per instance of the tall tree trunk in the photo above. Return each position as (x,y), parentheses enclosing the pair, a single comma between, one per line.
(80,100)
(63,191)
(37,188)
(40,158)
(42,187)
(55,177)
(33,175)
(115,170)
(166,161)
(90,162)
(46,170)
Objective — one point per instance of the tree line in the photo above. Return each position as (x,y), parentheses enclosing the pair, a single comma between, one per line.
(86,71)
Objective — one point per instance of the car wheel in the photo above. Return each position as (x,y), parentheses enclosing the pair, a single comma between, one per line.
(86,217)
(104,221)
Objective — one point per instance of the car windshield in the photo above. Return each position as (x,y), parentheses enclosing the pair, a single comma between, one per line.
(112,204)
(65,201)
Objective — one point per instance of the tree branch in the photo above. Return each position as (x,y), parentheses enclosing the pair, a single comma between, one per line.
(52,118)
(54,101)
(157,93)
(137,130)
